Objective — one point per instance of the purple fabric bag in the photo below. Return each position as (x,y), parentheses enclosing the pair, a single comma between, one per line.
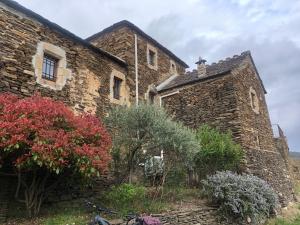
(149,220)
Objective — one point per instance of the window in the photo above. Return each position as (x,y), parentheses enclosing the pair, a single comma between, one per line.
(172,67)
(117,88)
(254,100)
(151,97)
(49,67)
(257,141)
(152,56)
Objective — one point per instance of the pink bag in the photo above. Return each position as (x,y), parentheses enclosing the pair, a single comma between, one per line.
(149,220)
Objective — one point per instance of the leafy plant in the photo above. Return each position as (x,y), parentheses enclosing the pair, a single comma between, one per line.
(217,151)
(42,141)
(125,196)
(144,131)
(241,197)
(177,177)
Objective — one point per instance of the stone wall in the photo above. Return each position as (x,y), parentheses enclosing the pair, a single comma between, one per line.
(225,102)
(87,89)
(282,145)
(255,125)
(201,216)
(121,42)
(210,102)
(262,157)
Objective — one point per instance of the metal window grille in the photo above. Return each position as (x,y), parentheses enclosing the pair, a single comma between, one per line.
(49,67)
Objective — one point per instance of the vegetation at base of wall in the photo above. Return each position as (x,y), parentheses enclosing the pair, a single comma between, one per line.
(280,221)
(143,132)
(241,197)
(31,151)
(177,177)
(74,211)
(127,198)
(218,151)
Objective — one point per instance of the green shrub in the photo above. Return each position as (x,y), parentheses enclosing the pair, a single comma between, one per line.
(241,197)
(177,177)
(217,151)
(147,129)
(126,197)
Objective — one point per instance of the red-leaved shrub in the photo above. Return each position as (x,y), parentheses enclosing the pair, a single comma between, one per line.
(42,138)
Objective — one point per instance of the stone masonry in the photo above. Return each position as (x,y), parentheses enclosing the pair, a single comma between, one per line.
(88,87)
(228,95)
(222,99)
(119,40)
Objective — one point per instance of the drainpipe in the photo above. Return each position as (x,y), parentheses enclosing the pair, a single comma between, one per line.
(136,71)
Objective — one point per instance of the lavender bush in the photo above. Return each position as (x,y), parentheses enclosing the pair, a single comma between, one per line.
(241,197)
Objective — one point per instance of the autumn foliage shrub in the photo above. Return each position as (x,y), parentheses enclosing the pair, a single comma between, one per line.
(42,140)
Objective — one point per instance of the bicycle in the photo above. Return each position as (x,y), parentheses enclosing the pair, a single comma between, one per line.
(98,220)
(142,220)
(137,219)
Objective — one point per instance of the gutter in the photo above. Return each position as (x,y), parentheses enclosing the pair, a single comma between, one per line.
(195,81)
(167,95)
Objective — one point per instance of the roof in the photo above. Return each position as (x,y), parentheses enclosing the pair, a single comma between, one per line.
(212,71)
(16,6)
(125,23)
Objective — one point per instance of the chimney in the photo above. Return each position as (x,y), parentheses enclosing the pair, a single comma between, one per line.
(201,67)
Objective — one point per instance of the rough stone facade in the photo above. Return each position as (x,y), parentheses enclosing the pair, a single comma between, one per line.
(87,88)
(203,216)
(225,101)
(121,42)
(228,95)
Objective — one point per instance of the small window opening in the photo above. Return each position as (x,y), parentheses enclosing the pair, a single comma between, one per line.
(152,56)
(151,97)
(49,67)
(117,88)
(173,67)
(257,141)
(254,101)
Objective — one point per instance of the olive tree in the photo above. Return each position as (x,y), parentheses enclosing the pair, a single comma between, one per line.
(142,131)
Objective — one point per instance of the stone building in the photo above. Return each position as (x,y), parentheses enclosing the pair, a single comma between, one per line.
(122,65)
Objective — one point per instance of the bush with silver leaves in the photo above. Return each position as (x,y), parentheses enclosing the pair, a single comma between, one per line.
(241,197)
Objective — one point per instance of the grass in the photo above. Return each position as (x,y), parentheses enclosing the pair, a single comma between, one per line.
(281,221)
(290,216)
(63,213)
(75,213)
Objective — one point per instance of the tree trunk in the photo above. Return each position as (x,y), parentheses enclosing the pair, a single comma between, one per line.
(34,193)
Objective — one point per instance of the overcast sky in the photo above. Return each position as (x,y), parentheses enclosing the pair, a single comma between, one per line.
(216,29)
